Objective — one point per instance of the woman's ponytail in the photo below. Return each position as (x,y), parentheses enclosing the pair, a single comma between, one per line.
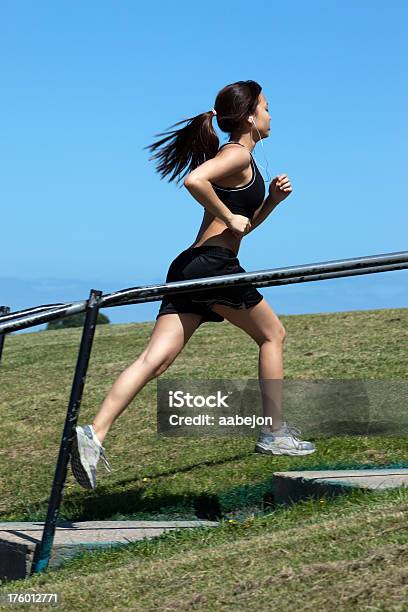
(190,146)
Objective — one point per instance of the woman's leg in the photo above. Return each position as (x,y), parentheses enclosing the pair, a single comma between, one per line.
(262,324)
(170,334)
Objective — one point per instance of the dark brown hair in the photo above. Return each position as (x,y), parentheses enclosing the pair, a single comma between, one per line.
(190,146)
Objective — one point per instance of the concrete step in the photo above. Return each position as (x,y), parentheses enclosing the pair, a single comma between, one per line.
(294,486)
(18,540)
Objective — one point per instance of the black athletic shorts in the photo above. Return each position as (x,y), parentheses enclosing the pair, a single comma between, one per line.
(200,262)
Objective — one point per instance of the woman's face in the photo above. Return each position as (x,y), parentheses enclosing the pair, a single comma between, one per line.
(262,118)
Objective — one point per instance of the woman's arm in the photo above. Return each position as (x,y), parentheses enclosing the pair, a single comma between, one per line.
(265,209)
(203,192)
(227,162)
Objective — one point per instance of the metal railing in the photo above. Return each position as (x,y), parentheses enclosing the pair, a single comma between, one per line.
(30,317)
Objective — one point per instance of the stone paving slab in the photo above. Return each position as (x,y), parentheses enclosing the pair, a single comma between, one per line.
(18,540)
(294,486)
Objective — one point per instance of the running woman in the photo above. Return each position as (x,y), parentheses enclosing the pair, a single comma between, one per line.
(226,181)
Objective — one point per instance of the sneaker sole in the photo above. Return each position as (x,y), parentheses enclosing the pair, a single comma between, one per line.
(279,451)
(76,465)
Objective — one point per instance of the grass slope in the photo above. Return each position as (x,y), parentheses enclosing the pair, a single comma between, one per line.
(239,564)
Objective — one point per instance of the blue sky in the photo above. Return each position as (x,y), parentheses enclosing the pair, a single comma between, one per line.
(87,85)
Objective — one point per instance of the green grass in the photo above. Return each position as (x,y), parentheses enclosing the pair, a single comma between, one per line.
(154,477)
(350,552)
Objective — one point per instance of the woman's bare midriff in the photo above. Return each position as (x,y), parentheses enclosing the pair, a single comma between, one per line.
(214,232)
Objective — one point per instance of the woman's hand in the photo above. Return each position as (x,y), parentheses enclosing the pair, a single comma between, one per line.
(239,225)
(280,188)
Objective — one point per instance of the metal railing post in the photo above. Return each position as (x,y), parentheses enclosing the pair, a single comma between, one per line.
(3,311)
(43,550)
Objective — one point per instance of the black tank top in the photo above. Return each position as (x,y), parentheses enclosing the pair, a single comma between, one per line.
(243,200)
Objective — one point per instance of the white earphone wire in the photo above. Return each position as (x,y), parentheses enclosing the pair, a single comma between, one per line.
(267,164)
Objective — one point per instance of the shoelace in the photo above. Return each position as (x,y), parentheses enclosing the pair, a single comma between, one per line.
(104,459)
(291,430)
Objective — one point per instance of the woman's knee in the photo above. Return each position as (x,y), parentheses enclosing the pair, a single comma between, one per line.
(271,326)
(155,365)
(276,334)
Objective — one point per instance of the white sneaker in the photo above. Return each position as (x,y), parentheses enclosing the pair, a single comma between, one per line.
(85,454)
(283,441)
